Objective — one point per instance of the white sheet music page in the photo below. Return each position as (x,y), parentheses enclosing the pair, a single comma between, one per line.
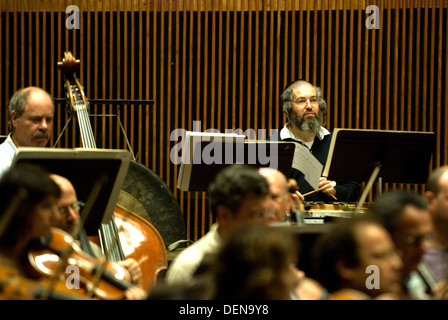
(305,162)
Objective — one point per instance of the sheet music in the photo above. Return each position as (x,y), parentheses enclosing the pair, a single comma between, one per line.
(305,162)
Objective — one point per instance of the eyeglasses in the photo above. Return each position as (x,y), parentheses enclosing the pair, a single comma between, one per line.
(302,101)
(75,206)
(415,239)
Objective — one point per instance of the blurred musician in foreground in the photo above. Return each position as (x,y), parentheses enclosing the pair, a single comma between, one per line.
(237,195)
(31,113)
(436,256)
(257,262)
(70,222)
(283,205)
(306,111)
(406,216)
(28,211)
(357,260)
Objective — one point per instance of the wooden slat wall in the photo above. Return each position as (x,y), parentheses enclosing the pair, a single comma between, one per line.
(224,63)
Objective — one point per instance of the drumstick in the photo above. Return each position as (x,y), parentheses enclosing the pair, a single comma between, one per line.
(331,184)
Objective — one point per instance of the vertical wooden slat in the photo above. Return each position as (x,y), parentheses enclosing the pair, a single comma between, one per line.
(298,41)
(388,68)
(218,63)
(147,88)
(350,66)
(140,83)
(15,35)
(108,80)
(343,65)
(59,75)
(246,109)
(214,110)
(242,76)
(379,68)
(263,88)
(417,67)
(44,48)
(445,128)
(38,47)
(365,89)
(154,89)
(430,95)
(198,99)
(404,108)
(358,72)
(181,83)
(256,45)
(272,81)
(190,213)
(439,88)
(286,55)
(120,62)
(315,53)
(176,87)
(308,50)
(409,68)
(426,57)
(323,54)
(227,52)
(292,54)
(335,104)
(168,98)
(329,63)
(280,114)
(126,119)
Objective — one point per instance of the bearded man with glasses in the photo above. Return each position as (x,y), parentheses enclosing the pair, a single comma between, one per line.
(306,112)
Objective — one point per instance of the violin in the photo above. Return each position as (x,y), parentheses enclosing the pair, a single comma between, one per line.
(61,257)
(14,286)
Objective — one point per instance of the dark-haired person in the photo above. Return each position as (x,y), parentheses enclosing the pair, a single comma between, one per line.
(406,216)
(357,260)
(257,262)
(31,113)
(306,112)
(237,195)
(28,211)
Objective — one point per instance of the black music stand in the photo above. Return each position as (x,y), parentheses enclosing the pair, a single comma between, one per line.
(201,174)
(96,174)
(393,156)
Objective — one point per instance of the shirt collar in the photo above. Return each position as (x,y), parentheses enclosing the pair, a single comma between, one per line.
(285,133)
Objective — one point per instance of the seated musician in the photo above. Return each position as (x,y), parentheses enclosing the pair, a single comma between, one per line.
(28,211)
(238,195)
(357,260)
(306,111)
(70,222)
(283,202)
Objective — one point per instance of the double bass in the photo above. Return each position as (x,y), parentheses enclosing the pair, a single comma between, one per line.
(133,236)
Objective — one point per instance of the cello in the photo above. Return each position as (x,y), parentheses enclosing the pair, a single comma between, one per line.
(132,236)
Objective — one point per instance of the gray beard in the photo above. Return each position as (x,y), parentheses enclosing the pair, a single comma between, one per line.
(310,125)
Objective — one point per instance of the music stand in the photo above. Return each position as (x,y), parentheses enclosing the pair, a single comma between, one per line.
(254,153)
(393,156)
(91,171)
